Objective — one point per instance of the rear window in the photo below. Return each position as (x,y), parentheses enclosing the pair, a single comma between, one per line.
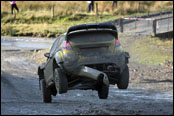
(92,36)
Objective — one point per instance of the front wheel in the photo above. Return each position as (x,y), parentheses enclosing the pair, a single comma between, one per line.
(124,79)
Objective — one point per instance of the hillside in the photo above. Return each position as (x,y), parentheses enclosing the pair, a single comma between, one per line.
(36,18)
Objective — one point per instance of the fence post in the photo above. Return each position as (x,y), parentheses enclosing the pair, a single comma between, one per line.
(154,27)
(121,25)
(53,11)
(160,14)
(139,7)
(97,9)
(168,26)
(148,20)
(136,22)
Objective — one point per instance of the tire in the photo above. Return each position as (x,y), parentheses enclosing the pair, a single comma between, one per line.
(61,82)
(103,92)
(124,79)
(45,92)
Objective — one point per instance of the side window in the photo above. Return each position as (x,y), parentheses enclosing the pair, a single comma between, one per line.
(63,43)
(55,44)
(60,42)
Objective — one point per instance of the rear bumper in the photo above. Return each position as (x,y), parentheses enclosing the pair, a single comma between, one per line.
(73,63)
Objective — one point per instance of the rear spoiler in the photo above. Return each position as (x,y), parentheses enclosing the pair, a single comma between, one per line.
(92,26)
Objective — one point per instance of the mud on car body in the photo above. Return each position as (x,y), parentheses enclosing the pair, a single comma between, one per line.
(88,56)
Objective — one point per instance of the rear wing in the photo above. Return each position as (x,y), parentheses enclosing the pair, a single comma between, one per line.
(92,26)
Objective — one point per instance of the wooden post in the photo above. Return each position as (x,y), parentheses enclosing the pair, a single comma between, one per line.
(97,9)
(148,20)
(136,22)
(53,11)
(154,26)
(139,7)
(121,25)
(168,26)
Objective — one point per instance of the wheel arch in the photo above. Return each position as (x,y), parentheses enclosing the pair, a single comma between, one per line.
(55,64)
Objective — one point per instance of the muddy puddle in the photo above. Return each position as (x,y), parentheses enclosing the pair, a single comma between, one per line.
(24,42)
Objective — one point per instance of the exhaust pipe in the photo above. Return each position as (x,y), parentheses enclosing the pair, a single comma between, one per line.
(93,74)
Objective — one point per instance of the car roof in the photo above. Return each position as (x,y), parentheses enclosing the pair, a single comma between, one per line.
(94,26)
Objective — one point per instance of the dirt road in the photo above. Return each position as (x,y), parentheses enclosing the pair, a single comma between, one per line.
(150,89)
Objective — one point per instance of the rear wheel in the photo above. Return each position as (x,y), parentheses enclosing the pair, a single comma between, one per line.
(46,93)
(103,91)
(61,82)
(124,79)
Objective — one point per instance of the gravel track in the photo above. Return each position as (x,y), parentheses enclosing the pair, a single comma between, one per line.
(150,89)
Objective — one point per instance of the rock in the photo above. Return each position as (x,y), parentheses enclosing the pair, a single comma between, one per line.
(135,70)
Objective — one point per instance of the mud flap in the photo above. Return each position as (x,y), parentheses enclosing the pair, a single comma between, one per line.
(103,91)
(45,92)
(127,56)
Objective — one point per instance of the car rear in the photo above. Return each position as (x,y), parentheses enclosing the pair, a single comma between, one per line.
(96,48)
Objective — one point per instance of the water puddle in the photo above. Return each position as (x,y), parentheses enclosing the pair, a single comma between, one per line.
(141,94)
(23,42)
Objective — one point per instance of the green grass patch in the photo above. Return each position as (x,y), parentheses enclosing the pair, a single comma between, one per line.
(48,26)
(153,51)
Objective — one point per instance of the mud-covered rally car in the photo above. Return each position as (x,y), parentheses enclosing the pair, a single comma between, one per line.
(87,56)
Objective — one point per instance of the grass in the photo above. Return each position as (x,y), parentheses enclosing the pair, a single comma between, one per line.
(48,26)
(153,51)
(35,18)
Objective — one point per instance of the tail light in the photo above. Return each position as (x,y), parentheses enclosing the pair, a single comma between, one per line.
(67,46)
(117,43)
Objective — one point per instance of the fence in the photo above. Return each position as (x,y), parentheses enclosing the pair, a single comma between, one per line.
(157,24)
(138,25)
(163,25)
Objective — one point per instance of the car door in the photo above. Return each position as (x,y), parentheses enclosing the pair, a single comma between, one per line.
(48,72)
